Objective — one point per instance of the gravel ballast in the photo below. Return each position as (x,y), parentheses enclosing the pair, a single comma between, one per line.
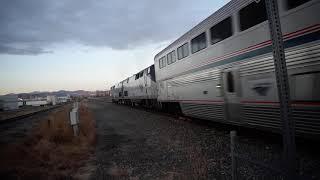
(137,144)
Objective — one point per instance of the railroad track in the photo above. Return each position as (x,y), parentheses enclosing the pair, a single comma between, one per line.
(15,129)
(10,120)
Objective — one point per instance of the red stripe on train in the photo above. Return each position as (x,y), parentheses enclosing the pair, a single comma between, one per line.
(198,101)
(244,102)
(277,103)
(312,28)
(302,31)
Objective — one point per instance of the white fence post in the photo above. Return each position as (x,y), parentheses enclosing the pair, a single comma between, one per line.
(74,119)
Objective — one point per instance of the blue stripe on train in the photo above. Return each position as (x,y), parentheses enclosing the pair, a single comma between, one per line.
(268,49)
(287,44)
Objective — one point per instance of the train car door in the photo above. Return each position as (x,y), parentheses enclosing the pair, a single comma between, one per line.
(231,89)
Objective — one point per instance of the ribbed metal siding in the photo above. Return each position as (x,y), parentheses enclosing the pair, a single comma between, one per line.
(306,56)
(195,78)
(265,116)
(307,119)
(203,111)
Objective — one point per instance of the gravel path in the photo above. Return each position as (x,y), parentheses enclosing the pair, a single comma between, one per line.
(136,144)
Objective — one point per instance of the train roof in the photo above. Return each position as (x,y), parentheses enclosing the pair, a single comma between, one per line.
(136,73)
(216,17)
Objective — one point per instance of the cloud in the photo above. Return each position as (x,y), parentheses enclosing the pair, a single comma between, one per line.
(23,51)
(34,25)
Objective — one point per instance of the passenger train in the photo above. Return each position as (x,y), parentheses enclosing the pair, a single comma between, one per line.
(223,69)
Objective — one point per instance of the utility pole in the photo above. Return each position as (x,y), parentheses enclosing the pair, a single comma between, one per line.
(288,125)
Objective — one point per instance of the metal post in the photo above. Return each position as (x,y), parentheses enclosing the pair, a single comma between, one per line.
(74,121)
(283,88)
(233,135)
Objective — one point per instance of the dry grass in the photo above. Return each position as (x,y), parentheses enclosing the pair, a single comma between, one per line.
(51,151)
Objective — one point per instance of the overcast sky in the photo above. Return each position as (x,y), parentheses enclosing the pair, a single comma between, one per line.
(48,45)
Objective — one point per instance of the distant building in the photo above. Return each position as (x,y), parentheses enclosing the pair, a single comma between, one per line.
(102,93)
(9,102)
(20,102)
(53,100)
(63,99)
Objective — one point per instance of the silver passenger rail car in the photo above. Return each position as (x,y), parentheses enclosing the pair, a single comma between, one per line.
(223,69)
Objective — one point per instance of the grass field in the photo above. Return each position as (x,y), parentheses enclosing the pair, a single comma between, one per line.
(51,151)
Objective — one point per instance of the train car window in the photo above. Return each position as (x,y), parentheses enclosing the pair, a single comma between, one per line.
(137,76)
(162,62)
(295,3)
(221,31)
(198,43)
(186,50)
(183,51)
(230,82)
(171,57)
(173,54)
(180,52)
(253,14)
